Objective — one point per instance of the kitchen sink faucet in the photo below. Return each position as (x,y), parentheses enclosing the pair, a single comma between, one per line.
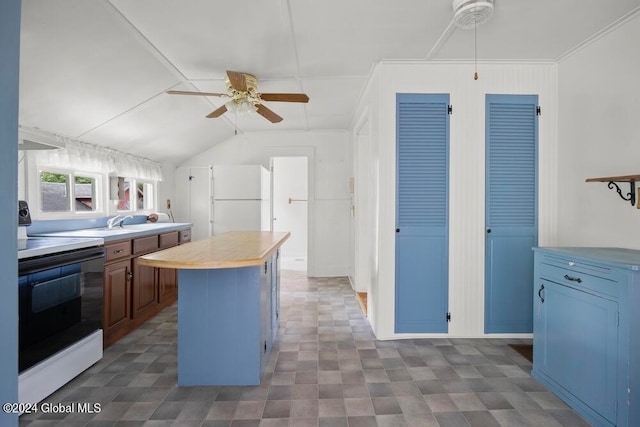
(117,220)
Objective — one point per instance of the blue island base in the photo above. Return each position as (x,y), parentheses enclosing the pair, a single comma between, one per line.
(222,335)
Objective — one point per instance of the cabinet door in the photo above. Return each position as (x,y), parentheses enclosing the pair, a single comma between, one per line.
(117,295)
(576,342)
(275,294)
(145,288)
(167,284)
(266,339)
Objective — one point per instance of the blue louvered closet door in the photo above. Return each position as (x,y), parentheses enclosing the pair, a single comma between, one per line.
(511,211)
(422,212)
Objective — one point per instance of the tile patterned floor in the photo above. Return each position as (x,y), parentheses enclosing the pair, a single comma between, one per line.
(326,370)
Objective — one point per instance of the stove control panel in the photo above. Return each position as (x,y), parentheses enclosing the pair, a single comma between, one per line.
(24,217)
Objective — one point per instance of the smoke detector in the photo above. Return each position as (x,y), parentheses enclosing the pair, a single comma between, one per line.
(469,13)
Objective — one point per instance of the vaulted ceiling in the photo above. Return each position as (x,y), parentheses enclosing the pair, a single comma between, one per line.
(98,71)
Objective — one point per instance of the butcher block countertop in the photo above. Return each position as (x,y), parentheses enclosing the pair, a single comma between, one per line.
(229,250)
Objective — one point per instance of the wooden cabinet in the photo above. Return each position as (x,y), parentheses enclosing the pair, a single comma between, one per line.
(145,288)
(117,295)
(167,285)
(168,277)
(185,236)
(133,293)
(168,240)
(145,281)
(587,331)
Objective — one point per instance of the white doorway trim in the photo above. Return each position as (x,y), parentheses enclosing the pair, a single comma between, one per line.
(309,153)
(363,208)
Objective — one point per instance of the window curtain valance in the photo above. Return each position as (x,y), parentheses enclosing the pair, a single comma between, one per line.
(92,158)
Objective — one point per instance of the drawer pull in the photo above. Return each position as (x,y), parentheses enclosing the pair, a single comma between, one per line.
(540,294)
(573,279)
(118,251)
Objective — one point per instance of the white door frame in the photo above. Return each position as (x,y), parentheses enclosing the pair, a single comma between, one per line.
(362,205)
(309,153)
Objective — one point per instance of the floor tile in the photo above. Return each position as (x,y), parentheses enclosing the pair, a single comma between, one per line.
(326,369)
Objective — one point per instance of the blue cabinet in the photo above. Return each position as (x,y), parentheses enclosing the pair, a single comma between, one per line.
(586,346)
(275,294)
(226,326)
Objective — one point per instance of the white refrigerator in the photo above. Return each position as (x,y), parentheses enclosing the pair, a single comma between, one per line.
(241,198)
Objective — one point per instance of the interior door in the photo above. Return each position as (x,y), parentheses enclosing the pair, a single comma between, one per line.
(511,211)
(422,212)
(200,203)
(291,208)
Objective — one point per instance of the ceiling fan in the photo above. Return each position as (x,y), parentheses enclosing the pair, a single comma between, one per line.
(242,91)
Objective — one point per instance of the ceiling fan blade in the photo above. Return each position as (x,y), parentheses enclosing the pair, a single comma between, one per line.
(238,81)
(268,114)
(217,112)
(285,97)
(184,92)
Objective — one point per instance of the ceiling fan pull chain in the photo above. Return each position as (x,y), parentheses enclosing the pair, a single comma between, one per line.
(235,121)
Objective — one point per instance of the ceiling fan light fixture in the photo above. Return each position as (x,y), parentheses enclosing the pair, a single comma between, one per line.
(470,13)
(241,106)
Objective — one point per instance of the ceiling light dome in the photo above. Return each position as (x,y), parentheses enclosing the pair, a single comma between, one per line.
(469,13)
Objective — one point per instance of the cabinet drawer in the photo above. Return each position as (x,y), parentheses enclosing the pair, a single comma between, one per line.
(168,239)
(145,244)
(185,236)
(578,265)
(579,279)
(116,251)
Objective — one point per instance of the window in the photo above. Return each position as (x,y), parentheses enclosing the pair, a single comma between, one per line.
(67,192)
(124,204)
(142,198)
(85,193)
(145,195)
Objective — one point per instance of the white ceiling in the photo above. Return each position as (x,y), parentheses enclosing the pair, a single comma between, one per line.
(97,71)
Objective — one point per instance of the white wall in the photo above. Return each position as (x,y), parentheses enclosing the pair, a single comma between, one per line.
(165,188)
(329,172)
(599,135)
(467,174)
(364,213)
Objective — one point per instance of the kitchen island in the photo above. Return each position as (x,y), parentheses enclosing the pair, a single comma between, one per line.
(228,305)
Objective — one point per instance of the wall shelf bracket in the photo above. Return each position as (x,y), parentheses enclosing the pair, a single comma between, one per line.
(631,195)
(612,183)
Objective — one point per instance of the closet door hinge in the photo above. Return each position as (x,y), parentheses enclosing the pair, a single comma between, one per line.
(448,316)
(538,111)
(449,109)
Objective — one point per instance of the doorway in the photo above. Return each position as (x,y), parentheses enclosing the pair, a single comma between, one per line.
(199,203)
(290,209)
